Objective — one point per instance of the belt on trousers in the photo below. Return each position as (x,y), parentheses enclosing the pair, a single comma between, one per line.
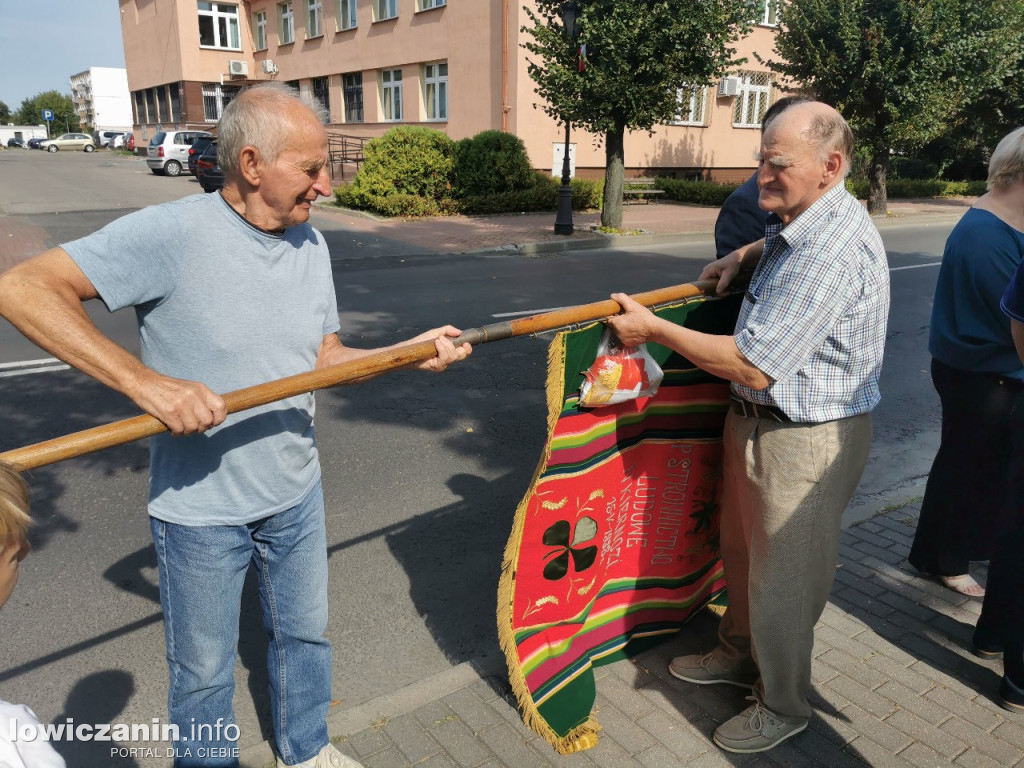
(756,411)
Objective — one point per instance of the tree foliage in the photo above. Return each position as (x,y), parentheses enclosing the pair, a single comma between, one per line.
(65,118)
(5,113)
(902,72)
(639,54)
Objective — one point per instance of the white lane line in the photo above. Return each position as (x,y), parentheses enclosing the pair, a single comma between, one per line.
(528,312)
(26,367)
(915,266)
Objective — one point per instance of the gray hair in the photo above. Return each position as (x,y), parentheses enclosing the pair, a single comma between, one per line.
(259,116)
(829,132)
(1007,164)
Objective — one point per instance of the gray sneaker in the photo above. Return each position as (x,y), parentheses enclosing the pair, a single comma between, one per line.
(756,729)
(705,670)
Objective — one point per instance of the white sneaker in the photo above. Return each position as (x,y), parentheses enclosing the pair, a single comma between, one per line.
(329,757)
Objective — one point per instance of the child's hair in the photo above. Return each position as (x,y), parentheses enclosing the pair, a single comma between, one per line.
(14,519)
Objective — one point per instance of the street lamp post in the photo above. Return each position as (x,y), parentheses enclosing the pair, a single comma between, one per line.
(563,219)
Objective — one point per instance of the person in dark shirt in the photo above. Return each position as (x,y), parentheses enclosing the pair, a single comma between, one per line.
(977,375)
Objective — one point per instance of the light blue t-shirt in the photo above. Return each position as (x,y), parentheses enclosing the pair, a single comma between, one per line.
(221,302)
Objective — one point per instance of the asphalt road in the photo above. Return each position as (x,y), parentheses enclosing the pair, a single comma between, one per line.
(422,473)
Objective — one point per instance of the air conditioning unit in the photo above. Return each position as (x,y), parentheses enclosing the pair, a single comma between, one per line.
(269,67)
(238,67)
(730,86)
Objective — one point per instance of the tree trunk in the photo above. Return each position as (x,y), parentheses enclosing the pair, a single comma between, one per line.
(614,159)
(878,171)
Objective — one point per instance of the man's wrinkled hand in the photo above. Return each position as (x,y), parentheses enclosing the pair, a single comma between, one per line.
(636,323)
(185,407)
(447,353)
(724,270)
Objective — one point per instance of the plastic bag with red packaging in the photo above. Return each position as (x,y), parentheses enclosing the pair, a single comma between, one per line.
(619,373)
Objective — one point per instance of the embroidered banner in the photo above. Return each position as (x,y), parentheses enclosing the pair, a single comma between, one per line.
(615,545)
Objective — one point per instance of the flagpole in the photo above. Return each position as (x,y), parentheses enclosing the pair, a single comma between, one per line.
(139,427)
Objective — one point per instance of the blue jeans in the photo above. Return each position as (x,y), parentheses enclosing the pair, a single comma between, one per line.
(202,570)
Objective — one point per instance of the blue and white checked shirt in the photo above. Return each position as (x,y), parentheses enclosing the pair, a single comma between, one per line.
(813,318)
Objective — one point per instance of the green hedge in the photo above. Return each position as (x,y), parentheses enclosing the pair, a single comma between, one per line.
(907,188)
(490,163)
(542,196)
(694,192)
(407,161)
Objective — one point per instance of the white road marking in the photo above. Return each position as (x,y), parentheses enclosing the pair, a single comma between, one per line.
(26,367)
(915,266)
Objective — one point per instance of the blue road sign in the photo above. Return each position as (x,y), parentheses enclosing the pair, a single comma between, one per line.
(47,114)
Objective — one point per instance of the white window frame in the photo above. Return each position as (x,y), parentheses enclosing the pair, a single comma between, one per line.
(215,98)
(285,23)
(753,99)
(259,24)
(347,16)
(385,9)
(426,5)
(435,91)
(226,13)
(391,95)
(692,105)
(770,14)
(314,18)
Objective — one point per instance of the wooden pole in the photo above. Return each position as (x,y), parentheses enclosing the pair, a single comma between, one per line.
(139,427)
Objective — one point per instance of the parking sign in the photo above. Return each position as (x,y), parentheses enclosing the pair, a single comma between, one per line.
(48,114)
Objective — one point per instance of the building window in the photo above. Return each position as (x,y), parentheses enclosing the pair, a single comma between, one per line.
(174,90)
(691,104)
(352,85)
(391,94)
(218,26)
(215,98)
(314,18)
(346,14)
(769,13)
(385,9)
(320,86)
(426,5)
(259,23)
(435,90)
(285,23)
(752,99)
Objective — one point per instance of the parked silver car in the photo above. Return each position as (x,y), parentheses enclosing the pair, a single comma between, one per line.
(167,153)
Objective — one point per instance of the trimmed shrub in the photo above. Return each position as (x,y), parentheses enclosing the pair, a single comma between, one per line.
(408,160)
(694,192)
(542,196)
(492,162)
(587,194)
(908,188)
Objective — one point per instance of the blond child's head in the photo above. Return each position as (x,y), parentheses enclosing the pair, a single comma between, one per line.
(14,523)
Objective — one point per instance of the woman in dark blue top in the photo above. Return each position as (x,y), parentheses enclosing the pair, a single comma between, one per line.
(977,374)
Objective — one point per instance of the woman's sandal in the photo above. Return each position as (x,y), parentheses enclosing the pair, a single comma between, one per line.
(964,584)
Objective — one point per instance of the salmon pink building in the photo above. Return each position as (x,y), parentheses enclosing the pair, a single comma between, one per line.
(455,65)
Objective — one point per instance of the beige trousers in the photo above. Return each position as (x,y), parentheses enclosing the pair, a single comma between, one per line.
(785,489)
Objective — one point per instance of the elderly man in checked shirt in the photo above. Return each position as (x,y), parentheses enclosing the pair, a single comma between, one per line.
(804,362)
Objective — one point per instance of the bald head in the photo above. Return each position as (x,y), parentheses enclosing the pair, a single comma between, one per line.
(823,128)
(805,152)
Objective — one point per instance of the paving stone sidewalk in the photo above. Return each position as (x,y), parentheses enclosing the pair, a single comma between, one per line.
(894,684)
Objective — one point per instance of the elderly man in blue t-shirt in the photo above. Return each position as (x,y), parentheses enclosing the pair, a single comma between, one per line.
(253,305)
(804,362)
